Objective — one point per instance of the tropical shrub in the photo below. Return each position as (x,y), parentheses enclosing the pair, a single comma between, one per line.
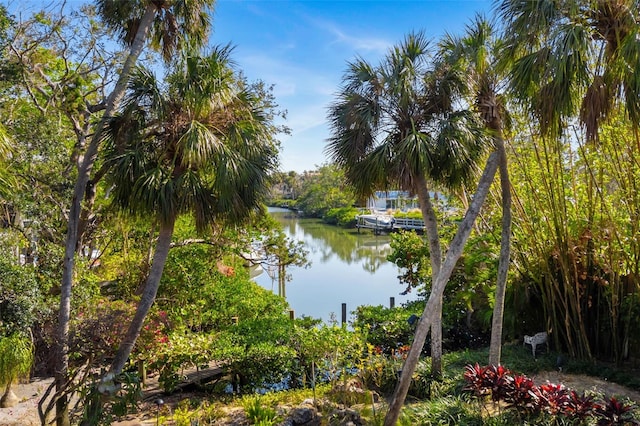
(96,329)
(378,371)
(343,216)
(16,358)
(22,298)
(256,352)
(410,214)
(520,393)
(387,329)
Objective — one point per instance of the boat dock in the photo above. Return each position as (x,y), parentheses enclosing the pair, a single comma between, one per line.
(380,223)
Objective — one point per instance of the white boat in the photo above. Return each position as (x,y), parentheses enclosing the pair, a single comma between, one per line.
(377,222)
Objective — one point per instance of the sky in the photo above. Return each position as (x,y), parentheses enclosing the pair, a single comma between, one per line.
(303,47)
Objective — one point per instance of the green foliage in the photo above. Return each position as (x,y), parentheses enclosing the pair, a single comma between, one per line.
(16,357)
(386,329)
(197,296)
(283,203)
(449,410)
(378,371)
(22,298)
(258,413)
(411,214)
(257,351)
(181,350)
(130,393)
(330,349)
(585,247)
(325,189)
(344,217)
(205,413)
(411,254)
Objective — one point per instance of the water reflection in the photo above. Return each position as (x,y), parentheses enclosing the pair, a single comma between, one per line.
(346,267)
(328,242)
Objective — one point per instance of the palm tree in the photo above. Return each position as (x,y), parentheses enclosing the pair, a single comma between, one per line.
(171,24)
(202,146)
(574,57)
(476,53)
(395,125)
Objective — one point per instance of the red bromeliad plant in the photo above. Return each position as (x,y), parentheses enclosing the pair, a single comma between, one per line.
(579,407)
(499,378)
(552,398)
(475,376)
(484,380)
(614,412)
(520,393)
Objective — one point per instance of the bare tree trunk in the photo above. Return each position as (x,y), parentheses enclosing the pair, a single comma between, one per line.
(146,301)
(495,348)
(84,172)
(429,314)
(435,256)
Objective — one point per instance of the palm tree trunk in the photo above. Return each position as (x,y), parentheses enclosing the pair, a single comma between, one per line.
(495,348)
(86,165)
(438,286)
(147,299)
(435,255)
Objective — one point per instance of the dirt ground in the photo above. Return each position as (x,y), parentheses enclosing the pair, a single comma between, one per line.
(26,412)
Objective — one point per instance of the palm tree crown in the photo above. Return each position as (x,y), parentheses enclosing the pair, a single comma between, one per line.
(177,24)
(201,144)
(574,56)
(388,122)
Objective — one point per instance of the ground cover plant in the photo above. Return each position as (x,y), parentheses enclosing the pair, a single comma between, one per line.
(545,401)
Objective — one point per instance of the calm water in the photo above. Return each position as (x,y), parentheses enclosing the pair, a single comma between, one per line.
(346,267)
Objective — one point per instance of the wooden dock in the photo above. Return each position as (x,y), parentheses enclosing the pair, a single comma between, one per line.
(386,223)
(405,223)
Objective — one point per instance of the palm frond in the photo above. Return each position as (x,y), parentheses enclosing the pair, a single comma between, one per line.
(197,144)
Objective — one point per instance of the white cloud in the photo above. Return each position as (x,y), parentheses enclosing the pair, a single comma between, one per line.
(358,43)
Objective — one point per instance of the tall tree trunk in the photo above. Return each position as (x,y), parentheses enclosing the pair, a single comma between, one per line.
(84,172)
(147,299)
(495,348)
(435,256)
(438,286)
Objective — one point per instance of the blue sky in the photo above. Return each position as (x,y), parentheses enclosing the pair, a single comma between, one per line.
(302,47)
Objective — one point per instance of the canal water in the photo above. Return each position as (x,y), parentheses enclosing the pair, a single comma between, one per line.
(346,267)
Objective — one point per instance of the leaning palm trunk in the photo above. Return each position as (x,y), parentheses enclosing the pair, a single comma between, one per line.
(435,255)
(429,314)
(84,172)
(495,347)
(146,301)
(107,385)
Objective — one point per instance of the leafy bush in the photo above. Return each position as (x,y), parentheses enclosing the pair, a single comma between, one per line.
(342,216)
(16,358)
(182,350)
(257,352)
(284,203)
(378,371)
(327,351)
(411,214)
(22,298)
(387,328)
(555,400)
